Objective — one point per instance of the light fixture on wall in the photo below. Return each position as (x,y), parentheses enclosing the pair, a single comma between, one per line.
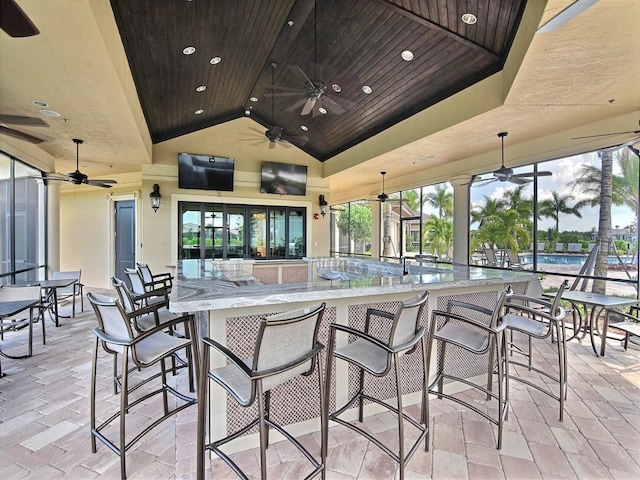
(323,205)
(155,197)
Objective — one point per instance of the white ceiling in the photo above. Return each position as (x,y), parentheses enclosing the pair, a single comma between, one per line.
(580,79)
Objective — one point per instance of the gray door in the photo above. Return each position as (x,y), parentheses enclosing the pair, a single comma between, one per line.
(125,236)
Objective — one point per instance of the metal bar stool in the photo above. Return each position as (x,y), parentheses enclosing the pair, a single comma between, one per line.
(286,347)
(376,357)
(479,331)
(116,335)
(540,319)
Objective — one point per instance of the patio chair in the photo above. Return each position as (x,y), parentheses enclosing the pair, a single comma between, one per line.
(514,259)
(145,295)
(574,247)
(153,282)
(560,247)
(628,323)
(24,319)
(376,355)
(151,348)
(286,348)
(476,330)
(536,318)
(490,256)
(70,293)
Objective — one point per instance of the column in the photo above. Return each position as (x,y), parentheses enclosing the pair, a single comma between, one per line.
(461,218)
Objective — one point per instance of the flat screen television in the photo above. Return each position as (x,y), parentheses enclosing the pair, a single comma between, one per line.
(205,172)
(283,178)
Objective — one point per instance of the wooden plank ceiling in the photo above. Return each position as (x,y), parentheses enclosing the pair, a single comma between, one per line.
(350,43)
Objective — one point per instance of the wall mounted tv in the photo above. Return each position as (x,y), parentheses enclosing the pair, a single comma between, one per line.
(283,178)
(205,172)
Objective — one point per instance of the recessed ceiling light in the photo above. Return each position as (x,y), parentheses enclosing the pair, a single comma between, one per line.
(304,127)
(366,89)
(49,113)
(336,88)
(215,60)
(469,18)
(198,112)
(290,23)
(322,110)
(201,88)
(189,50)
(253,99)
(407,55)
(40,104)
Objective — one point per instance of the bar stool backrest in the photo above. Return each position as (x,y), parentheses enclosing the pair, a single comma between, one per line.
(285,338)
(137,287)
(111,319)
(587,269)
(407,319)
(124,294)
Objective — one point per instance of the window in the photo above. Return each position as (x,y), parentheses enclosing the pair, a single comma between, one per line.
(220,231)
(554,221)
(22,230)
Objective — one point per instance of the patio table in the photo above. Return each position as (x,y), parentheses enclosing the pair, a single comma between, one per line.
(49,292)
(8,309)
(598,303)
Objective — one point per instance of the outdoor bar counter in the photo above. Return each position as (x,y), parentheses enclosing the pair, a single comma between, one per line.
(229,297)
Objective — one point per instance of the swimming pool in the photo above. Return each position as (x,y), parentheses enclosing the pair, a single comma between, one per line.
(561,259)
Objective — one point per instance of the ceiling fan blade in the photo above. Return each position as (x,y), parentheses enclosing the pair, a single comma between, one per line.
(531,175)
(97,183)
(519,181)
(102,180)
(606,134)
(296,105)
(299,141)
(14,21)
(341,101)
(283,88)
(333,106)
(256,130)
(22,120)
(20,135)
(276,95)
(309,106)
(300,76)
(483,182)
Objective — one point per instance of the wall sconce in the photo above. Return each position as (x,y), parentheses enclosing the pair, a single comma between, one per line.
(155,197)
(323,205)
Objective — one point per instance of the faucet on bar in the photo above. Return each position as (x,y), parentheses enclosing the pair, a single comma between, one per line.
(404,266)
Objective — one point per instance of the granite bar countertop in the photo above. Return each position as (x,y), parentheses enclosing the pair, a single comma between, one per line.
(223,285)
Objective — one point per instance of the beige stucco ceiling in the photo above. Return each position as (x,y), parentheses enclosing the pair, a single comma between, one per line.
(581,79)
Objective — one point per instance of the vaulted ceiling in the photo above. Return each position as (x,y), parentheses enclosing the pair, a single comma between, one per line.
(309,49)
(115,71)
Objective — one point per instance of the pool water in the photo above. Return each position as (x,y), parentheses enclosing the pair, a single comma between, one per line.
(560,259)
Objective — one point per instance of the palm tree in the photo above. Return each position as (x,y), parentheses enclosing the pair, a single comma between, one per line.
(552,208)
(491,207)
(438,233)
(412,199)
(507,229)
(442,200)
(607,189)
(516,200)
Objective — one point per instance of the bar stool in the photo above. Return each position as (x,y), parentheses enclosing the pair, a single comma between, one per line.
(376,357)
(539,319)
(479,331)
(153,347)
(286,347)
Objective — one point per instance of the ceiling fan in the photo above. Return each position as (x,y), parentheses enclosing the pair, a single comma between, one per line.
(14,21)
(318,96)
(505,174)
(276,133)
(383,197)
(77,177)
(21,121)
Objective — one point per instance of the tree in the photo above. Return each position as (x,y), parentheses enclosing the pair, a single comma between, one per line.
(356,222)
(607,189)
(412,199)
(552,208)
(442,200)
(491,207)
(438,233)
